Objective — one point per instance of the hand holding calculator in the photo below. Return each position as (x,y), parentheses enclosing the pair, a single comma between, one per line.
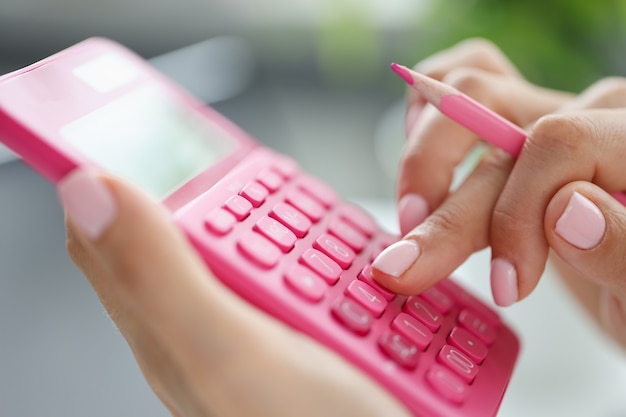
(278,237)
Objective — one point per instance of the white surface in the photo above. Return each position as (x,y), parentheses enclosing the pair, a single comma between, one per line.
(566,367)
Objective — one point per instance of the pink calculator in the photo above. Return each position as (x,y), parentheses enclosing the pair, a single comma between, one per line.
(280,238)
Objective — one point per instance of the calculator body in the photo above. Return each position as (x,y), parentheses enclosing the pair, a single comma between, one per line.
(277,236)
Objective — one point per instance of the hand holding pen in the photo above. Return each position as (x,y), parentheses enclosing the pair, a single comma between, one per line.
(557,195)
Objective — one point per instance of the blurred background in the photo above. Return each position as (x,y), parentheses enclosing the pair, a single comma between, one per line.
(309,78)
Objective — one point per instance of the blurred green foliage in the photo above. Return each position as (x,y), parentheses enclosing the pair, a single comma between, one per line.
(564,44)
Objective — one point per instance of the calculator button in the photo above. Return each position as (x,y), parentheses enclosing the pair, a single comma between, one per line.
(348,234)
(322,264)
(311,208)
(413,330)
(318,190)
(285,166)
(220,221)
(259,249)
(255,193)
(469,344)
(270,180)
(352,315)
(359,219)
(447,384)
(465,299)
(291,217)
(335,249)
(366,276)
(367,296)
(239,206)
(399,348)
(277,233)
(424,312)
(439,299)
(458,362)
(306,283)
(470,321)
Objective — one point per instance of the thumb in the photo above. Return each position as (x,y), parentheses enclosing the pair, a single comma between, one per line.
(150,266)
(586,227)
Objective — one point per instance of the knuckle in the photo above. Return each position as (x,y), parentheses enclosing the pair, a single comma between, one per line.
(563,134)
(481,48)
(450,218)
(468,80)
(607,92)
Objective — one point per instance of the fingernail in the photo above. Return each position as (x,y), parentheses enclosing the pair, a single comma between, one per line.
(87,202)
(582,223)
(503,282)
(397,258)
(412,210)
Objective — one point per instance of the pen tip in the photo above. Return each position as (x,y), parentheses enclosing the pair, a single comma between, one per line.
(403,72)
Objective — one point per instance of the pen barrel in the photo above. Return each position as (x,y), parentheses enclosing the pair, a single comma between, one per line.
(485,123)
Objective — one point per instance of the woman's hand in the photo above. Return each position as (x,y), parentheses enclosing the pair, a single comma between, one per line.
(554,196)
(204,351)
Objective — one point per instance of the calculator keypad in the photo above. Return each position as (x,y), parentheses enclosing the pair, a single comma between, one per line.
(296,228)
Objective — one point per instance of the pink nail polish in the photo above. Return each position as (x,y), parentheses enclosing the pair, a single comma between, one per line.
(396,259)
(87,202)
(412,210)
(503,282)
(582,223)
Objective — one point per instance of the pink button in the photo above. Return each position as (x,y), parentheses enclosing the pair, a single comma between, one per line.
(359,219)
(368,297)
(322,265)
(348,234)
(255,193)
(366,276)
(470,321)
(270,180)
(311,208)
(352,315)
(277,233)
(447,384)
(458,362)
(335,249)
(465,299)
(306,283)
(259,250)
(412,329)
(291,217)
(399,348)
(220,221)
(318,190)
(469,344)
(285,166)
(239,206)
(438,299)
(424,312)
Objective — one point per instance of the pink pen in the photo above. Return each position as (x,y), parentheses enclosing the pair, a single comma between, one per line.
(466,111)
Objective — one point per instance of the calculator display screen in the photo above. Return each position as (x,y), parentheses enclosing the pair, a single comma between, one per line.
(149,139)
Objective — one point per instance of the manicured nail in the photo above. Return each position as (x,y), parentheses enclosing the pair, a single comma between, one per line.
(412,210)
(87,202)
(503,282)
(582,223)
(403,73)
(397,258)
